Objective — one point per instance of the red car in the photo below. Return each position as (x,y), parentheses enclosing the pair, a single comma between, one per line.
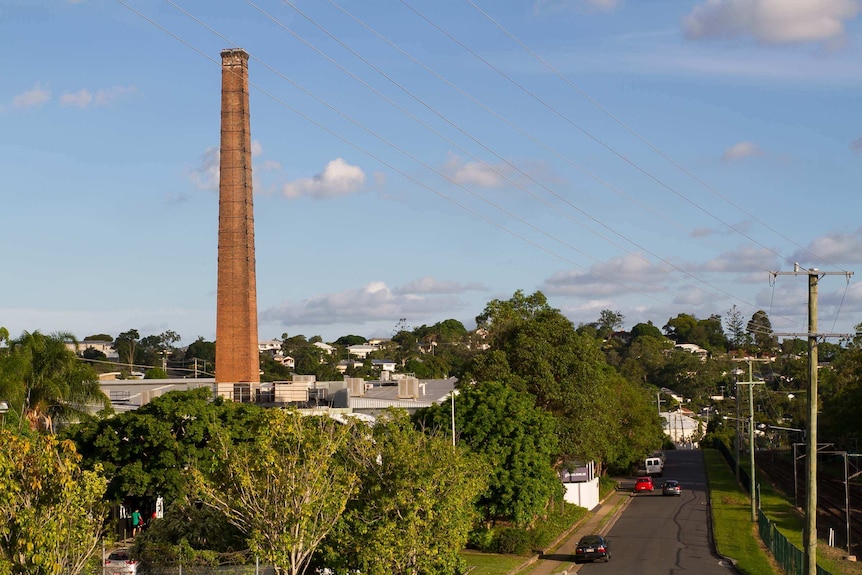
(644,484)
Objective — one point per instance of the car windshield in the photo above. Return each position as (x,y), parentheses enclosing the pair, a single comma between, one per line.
(590,540)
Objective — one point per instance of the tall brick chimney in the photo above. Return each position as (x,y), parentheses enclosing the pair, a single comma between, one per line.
(237,365)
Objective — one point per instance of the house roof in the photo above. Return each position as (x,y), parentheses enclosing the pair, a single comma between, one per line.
(383,396)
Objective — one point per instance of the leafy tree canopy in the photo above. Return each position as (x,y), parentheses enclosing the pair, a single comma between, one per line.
(44,382)
(99,337)
(286,487)
(646,329)
(519,441)
(415,506)
(144,452)
(52,510)
(347,340)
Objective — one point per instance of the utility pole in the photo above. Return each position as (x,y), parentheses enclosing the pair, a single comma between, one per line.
(809,536)
(751,383)
(665,421)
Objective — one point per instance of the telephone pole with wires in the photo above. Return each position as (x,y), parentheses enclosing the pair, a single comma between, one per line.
(809,535)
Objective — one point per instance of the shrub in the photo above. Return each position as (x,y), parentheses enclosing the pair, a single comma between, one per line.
(514,541)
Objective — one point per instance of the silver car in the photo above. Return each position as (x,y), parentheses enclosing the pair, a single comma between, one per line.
(670,487)
(119,562)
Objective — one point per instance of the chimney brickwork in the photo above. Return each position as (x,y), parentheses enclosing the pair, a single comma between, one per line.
(236,314)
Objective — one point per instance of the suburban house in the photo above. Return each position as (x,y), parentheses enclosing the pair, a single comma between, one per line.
(692,348)
(324,347)
(345,364)
(383,364)
(362,350)
(269,346)
(106,347)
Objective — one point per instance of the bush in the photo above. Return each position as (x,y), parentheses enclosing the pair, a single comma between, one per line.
(482,539)
(514,541)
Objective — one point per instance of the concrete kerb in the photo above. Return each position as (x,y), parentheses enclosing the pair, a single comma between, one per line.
(608,508)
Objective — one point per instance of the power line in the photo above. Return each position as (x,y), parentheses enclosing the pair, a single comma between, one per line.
(501,174)
(643,139)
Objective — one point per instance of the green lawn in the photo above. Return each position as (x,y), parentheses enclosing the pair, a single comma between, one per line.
(735,534)
(491,564)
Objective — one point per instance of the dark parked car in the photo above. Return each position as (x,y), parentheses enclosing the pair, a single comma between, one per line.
(591,548)
(671,487)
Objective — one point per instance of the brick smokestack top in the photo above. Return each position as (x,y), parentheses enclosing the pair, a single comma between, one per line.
(236,315)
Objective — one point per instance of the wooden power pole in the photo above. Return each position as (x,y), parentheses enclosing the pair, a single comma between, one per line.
(809,536)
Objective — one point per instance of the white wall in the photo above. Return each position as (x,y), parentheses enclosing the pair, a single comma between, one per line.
(584,494)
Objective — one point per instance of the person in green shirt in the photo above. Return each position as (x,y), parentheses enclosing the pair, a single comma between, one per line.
(137,520)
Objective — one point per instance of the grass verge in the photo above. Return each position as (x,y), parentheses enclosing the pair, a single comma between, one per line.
(735,534)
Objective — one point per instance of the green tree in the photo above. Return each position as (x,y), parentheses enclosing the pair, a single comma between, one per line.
(286,487)
(93,354)
(645,358)
(144,451)
(347,340)
(415,507)
(516,438)
(642,329)
(155,373)
(609,322)
(44,382)
(736,335)
(201,349)
(125,345)
(565,371)
(760,330)
(679,328)
(52,511)
(200,354)
(307,357)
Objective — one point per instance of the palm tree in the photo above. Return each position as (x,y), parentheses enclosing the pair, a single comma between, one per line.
(44,382)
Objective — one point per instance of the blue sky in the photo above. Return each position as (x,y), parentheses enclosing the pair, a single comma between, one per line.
(417,159)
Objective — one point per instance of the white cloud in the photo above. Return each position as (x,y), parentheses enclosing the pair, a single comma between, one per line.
(556,5)
(80,99)
(747,259)
(740,151)
(206,175)
(337,179)
(835,248)
(429,285)
(83,97)
(371,303)
(104,97)
(621,275)
(771,21)
(256,148)
(33,97)
(475,173)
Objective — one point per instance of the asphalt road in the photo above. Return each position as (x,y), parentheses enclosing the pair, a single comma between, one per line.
(659,534)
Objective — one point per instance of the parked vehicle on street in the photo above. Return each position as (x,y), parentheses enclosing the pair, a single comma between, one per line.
(644,484)
(654,466)
(671,487)
(592,548)
(119,562)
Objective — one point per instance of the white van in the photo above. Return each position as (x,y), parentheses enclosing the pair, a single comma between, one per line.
(654,466)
